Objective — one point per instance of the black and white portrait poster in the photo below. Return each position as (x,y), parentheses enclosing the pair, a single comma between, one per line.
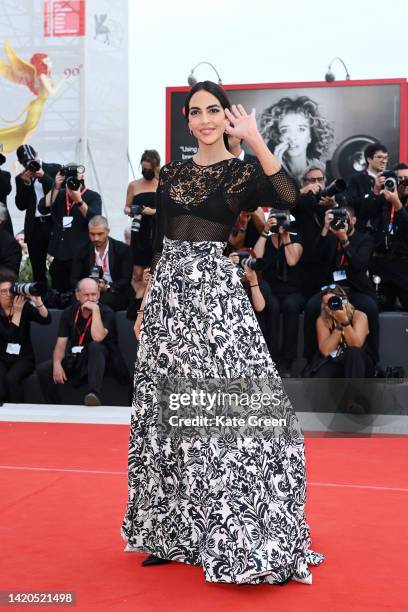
(308,122)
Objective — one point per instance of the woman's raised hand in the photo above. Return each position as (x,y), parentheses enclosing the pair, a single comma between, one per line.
(241,124)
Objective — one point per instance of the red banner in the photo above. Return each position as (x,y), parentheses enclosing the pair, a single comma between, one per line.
(64,18)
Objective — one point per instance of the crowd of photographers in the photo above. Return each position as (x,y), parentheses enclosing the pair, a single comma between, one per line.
(340,256)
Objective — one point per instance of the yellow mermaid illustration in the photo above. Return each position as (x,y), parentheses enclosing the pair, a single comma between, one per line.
(36,75)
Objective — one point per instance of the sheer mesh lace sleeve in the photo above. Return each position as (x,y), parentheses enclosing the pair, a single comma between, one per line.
(159,227)
(278,190)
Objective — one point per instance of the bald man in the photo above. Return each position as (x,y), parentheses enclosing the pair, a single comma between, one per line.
(85,338)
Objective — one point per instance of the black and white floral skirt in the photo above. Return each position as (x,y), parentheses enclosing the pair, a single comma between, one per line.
(231,504)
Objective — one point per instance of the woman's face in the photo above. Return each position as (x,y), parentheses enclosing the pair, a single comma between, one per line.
(6,295)
(206,118)
(294,129)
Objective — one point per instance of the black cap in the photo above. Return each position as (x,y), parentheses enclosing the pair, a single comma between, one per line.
(25,152)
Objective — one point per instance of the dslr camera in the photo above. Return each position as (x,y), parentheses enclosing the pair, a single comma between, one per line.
(336,302)
(96,273)
(136,212)
(282,220)
(335,187)
(391,181)
(71,180)
(245,259)
(27,289)
(340,218)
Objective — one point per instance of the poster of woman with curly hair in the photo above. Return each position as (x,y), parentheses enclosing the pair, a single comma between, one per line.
(304,124)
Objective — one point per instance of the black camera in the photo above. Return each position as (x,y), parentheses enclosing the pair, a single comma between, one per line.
(337,186)
(70,173)
(96,273)
(136,212)
(282,220)
(2,159)
(390,183)
(27,289)
(340,218)
(335,303)
(33,165)
(245,259)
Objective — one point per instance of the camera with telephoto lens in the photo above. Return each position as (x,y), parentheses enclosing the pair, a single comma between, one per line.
(245,259)
(335,302)
(27,289)
(136,212)
(335,187)
(340,218)
(70,173)
(96,273)
(390,183)
(282,220)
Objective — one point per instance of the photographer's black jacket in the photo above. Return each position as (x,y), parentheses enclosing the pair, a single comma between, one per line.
(309,215)
(65,243)
(10,251)
(20,334)
(360,191)
(120,265)
(378,212)
(5,188)
(26,198)
(357,257)
(281,277)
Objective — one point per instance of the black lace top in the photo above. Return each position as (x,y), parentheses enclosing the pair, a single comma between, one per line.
(201,203)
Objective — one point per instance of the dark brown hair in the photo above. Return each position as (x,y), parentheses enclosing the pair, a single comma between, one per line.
(7,276)
(151,156)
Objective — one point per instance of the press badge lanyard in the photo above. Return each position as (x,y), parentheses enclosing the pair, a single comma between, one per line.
(87,324)
(103,259)
(342,257)
(70,205)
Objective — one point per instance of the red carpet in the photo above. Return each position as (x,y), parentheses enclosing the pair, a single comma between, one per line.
(60,529)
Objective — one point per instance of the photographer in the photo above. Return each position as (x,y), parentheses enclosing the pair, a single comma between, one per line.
(106,260)
(5,189)
(388,216)
(314,199)
(72,206)
(10,250)
(141,207)
(342,333)
(32,185)
(16,352)
(347,253)
(280,248)
(364,187)
(85,348)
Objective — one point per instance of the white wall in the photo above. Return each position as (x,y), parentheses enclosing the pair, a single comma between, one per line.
(254,41)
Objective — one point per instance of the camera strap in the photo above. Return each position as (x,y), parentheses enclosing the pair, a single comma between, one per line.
(70,205)
(102,261)
(81,336)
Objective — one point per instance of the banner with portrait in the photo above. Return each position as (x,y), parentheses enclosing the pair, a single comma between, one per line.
(307,122)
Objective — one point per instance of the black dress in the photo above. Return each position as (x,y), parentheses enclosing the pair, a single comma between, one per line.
(231,504)
(141,241)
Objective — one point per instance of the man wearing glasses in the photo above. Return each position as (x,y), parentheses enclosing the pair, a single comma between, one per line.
(309,213)
(364,187)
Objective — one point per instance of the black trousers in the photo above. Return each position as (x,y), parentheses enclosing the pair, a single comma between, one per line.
(37,246)
(96,357)
(354,363)
(11,379)
(60,271)
(116,301)
(290,305)
(361,301)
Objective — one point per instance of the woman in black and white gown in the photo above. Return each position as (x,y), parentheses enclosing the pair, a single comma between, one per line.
(231,504)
